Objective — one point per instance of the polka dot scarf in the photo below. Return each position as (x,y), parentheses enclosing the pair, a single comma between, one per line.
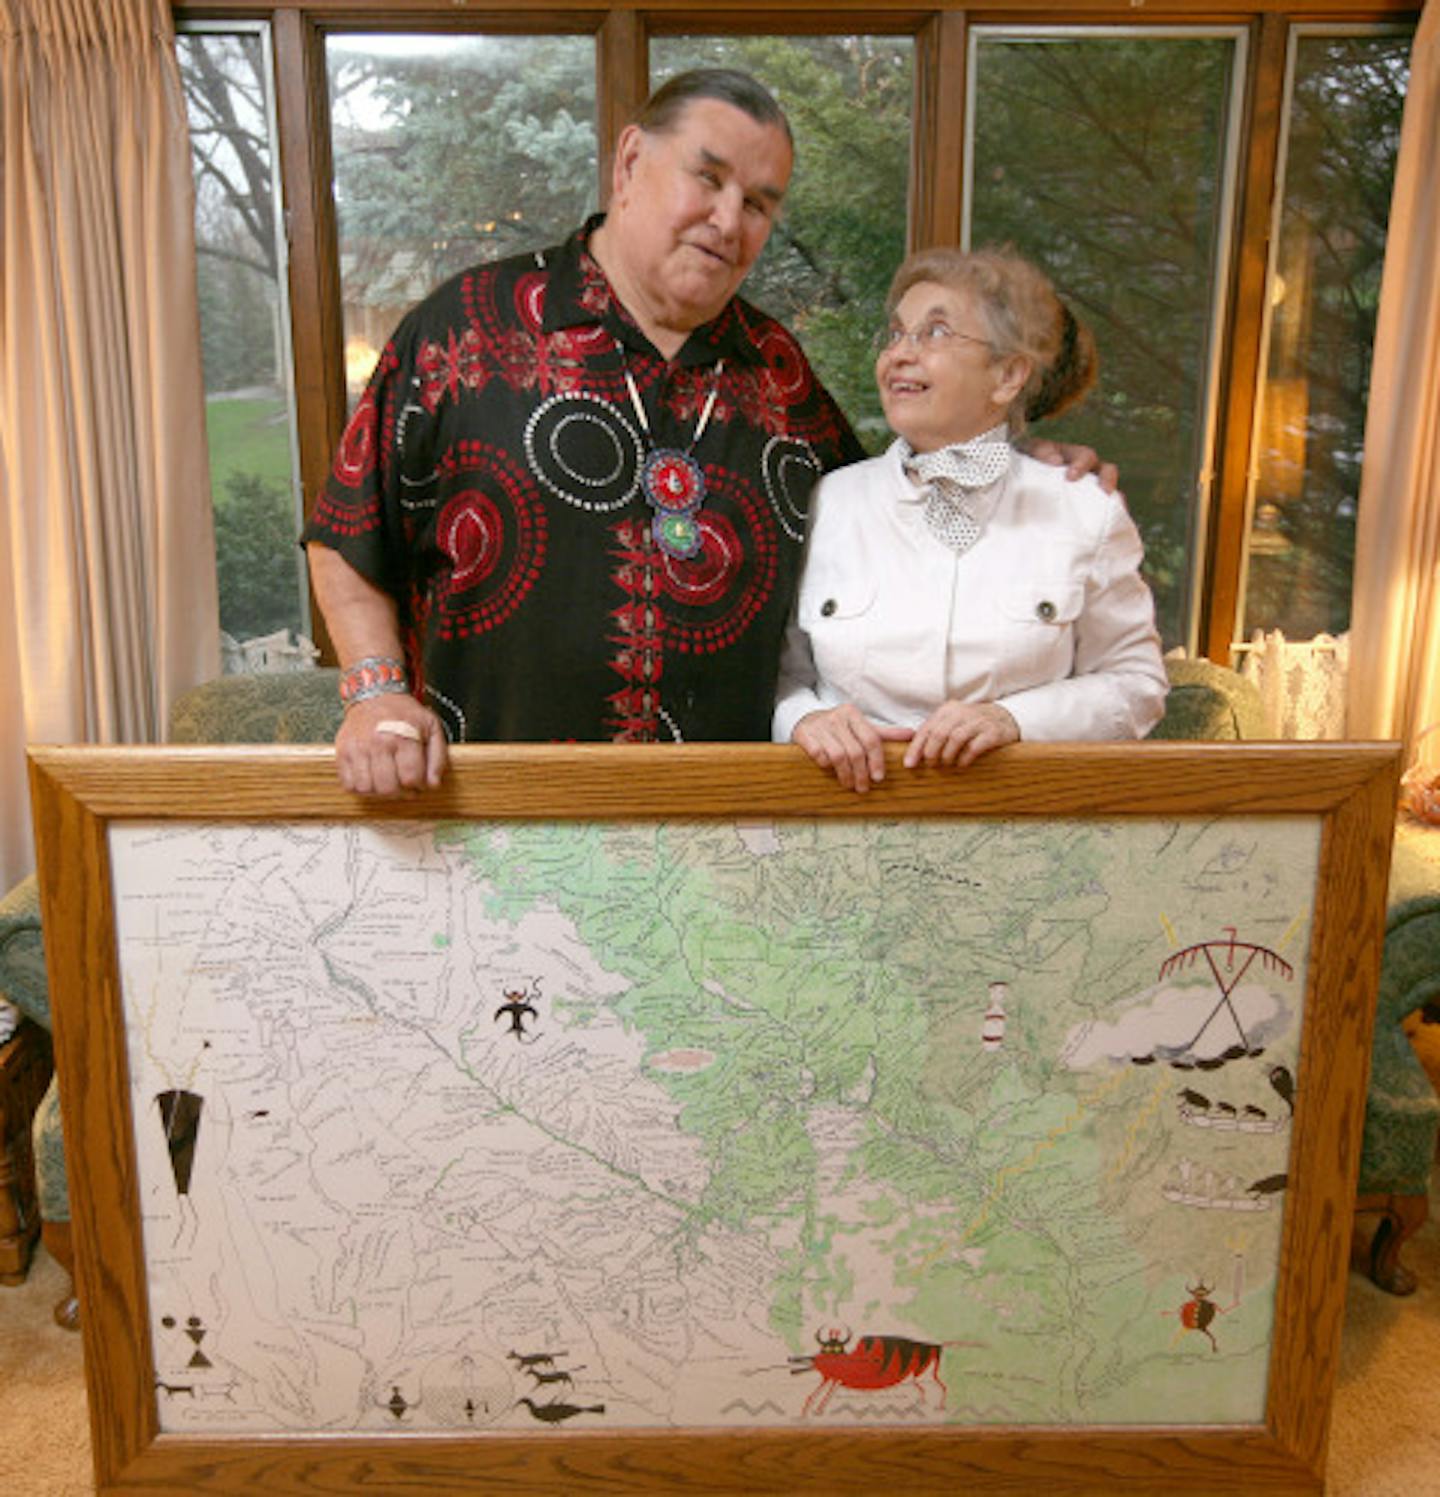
(951,475)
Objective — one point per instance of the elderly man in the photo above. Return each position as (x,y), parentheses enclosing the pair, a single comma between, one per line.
(571,503)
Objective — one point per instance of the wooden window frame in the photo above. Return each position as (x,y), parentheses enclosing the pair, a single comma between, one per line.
(941,32)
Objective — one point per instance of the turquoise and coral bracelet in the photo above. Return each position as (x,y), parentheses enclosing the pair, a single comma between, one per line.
(375,676)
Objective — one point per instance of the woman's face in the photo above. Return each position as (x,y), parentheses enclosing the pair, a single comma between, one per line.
(941,380)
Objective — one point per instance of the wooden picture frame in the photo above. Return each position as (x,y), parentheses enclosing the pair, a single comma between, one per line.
(1347,792)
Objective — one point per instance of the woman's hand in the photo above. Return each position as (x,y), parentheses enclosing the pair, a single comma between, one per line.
(844,740)
(959,732)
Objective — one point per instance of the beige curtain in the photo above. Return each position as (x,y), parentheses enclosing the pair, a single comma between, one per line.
(1395,620)
(107,574)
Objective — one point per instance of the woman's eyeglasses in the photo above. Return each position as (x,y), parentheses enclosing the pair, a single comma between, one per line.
(929,336)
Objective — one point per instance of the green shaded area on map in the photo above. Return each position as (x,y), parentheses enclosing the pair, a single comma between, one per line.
(812,998)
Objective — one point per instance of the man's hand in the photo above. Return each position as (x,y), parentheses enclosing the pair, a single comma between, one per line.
(1077,461)
(390,745)
(844,740)
(959,732)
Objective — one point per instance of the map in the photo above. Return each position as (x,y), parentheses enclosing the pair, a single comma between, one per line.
(517,1126)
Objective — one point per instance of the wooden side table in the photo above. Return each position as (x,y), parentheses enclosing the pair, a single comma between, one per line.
(25,1067)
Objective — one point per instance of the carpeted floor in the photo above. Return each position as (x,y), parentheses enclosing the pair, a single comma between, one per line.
(1385,1439)
(44,1436)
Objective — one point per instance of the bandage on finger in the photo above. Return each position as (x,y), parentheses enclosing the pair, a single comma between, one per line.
(393,727)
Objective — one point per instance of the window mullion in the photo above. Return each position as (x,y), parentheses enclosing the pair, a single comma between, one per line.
(1264,105)
(938,141)
(314,264)
(622,82)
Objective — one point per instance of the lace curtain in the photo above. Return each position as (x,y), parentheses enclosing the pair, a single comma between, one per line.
(1301,682)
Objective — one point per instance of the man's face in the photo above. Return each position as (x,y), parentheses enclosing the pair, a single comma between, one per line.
(693,207)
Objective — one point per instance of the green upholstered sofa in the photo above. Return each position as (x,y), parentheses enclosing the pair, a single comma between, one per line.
(22,984)
(1402,1110)
(303,707)
(1206,702)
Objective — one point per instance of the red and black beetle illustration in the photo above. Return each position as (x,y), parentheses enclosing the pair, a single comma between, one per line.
(1198,1313)
(1199,1310)
(876,1362)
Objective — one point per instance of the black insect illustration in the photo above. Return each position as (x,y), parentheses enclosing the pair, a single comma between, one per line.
(1199,1312)
(517,1008)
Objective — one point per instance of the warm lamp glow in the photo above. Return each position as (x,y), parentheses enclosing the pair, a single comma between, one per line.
(359,361)
(1266,536)
(1285,437)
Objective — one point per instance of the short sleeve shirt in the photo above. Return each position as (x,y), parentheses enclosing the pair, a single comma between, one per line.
(490,481)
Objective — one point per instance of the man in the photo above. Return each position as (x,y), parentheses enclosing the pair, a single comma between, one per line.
(571,503)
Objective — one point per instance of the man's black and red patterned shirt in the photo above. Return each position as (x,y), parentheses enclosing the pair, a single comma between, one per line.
(489,481)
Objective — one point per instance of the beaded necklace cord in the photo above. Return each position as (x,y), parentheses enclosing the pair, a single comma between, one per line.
(672,481)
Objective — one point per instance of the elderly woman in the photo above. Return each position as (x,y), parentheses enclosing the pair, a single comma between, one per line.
(957,593)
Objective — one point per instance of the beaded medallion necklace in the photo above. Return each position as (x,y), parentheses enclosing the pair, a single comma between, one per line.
(672,481)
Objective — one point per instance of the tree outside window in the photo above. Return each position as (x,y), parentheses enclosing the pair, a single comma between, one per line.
(244,336)
(1347,97)
(1102,158)
(450,150)
(841,233)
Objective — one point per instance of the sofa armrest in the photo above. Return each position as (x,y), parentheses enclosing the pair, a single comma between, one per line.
(1208,702)
(22,952)
(298,707)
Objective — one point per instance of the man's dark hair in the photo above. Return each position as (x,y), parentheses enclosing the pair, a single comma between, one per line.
(661,111)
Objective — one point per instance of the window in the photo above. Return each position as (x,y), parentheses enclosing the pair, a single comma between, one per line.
(1212,197)
(828,264)
(450,150)
(1103,157)
(1345,94)
(244,328)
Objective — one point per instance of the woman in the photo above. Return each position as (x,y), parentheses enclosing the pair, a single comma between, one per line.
(957,593)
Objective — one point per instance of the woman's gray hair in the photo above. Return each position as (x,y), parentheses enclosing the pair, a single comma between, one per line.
(1023,315)
(661,112)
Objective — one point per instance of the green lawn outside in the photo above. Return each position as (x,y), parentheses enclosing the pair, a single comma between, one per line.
(250,434)
(255,521)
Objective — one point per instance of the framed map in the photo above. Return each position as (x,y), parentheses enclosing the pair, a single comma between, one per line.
(623,1119)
